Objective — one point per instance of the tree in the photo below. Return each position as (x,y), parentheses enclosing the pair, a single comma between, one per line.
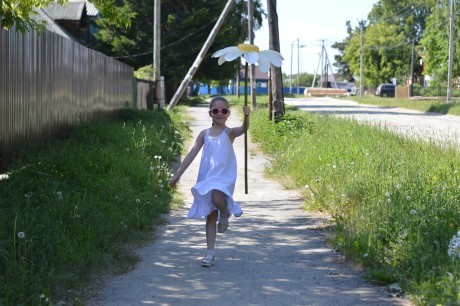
(392,26)
(20,13)
(343,68)
(185,27)
(435,44)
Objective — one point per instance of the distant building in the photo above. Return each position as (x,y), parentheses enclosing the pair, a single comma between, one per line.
(77,18)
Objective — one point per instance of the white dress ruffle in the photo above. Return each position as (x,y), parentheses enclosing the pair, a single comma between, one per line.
(217,171)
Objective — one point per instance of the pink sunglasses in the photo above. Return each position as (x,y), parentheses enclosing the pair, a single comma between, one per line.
(224,111)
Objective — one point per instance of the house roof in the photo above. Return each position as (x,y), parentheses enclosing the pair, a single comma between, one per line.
(259,74)
(91,10)
(51,25)
(70,11)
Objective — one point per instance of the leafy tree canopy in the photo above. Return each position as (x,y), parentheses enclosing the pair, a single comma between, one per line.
(434,45)
(391,28)
(20,13)
(185,26)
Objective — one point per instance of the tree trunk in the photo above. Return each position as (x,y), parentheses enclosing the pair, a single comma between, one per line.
(276,75)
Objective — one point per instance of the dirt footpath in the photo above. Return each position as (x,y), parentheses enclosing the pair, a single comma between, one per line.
(275,254)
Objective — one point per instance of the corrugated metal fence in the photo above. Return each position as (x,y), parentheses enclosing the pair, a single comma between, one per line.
(49,83)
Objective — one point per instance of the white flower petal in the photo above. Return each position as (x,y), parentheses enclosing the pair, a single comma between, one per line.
(264,63)
(230,56)
(274,57)
(221,60)
(251,57)
(223,51)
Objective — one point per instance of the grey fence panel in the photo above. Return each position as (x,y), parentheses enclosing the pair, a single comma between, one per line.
(49,83)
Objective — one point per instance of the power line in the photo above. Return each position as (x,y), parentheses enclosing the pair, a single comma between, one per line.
(171,44)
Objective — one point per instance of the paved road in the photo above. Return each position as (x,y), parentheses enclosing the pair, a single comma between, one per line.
(437,128)
(275,254)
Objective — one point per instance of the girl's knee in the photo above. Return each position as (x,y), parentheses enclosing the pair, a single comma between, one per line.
(218,197)
(212,217)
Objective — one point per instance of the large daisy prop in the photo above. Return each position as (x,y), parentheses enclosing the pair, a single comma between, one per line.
(251,55)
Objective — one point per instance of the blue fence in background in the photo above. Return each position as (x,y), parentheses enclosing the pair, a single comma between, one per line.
(231,90)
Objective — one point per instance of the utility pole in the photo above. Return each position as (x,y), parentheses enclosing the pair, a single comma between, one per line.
(361,61)
(411,79)
(290,76)
(159,94)
(451,52)
(191,72)
(252,67)
(276,76)
(298,64)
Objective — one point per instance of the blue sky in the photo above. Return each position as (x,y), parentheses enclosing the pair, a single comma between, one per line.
(311,21)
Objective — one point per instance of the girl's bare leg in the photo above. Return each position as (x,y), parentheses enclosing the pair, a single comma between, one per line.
(219,201)
(211,222)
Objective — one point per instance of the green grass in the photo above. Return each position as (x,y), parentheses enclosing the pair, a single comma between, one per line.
(435,106)
(394,202)
(76,208)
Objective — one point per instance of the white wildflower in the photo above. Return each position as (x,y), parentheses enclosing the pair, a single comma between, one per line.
(454,246)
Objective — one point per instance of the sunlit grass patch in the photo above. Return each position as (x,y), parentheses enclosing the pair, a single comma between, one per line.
(70,209)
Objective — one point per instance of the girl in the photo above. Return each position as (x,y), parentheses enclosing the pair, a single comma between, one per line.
(213,192)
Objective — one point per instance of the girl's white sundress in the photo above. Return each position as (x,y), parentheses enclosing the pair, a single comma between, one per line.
(217,171)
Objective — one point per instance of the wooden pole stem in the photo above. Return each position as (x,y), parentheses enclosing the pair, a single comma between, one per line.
(246,132)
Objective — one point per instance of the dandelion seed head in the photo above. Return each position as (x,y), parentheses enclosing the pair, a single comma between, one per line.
(138,200)
(352,163)
(398,186)
(366,255)
(408,198)
(307,186)
(389,200)
(334,166)
(59,193)
(387,194)
(413,212)
(21,235)
(454,246)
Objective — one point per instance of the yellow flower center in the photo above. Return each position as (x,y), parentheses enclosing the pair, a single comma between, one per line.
(248,48)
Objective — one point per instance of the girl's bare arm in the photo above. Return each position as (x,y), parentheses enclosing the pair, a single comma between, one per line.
(188,159)
(238,131)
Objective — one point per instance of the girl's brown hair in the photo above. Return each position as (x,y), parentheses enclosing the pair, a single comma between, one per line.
(218,98)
